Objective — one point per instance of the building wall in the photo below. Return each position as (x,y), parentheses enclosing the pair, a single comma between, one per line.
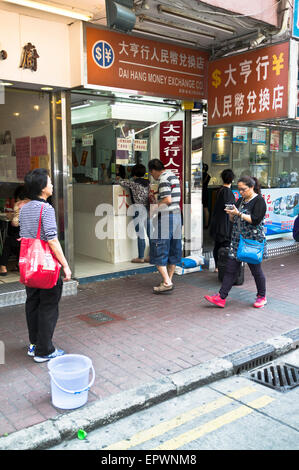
(264,11)
(51,40)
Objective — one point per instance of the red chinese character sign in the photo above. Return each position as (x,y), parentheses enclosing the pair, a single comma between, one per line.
(249,86)
(171,147)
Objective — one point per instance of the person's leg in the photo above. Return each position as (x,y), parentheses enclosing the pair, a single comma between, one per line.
(231,270)
(163,270)
(6,252)
(48,316)
(260,281)
(139,229)
(175,243)
(32,312)
(217,245)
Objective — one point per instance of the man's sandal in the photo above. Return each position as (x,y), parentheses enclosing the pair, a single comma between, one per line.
(163,289)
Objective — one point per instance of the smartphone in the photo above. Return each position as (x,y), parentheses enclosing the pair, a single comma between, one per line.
(229,207)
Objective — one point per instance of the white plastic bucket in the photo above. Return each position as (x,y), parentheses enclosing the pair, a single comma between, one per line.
(70,380)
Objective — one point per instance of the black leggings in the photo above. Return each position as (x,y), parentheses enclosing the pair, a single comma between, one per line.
(216,249)
(231,270)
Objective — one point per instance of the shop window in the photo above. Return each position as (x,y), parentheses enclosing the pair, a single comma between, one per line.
(110,136)
(24,139)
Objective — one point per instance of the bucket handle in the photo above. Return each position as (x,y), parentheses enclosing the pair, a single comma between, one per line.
(77,391)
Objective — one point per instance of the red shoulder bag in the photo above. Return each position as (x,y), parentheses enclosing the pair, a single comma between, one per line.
(38,266)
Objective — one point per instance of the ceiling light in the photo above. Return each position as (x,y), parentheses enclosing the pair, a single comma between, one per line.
(176,28)
(51,9)
(6,84)
(164,36)
(46,88)
(208,24)
(81,105)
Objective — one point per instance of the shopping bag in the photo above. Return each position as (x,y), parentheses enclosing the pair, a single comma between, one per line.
(38,266)
(250,251)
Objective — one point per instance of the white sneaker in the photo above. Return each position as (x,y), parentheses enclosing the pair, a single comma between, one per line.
(56,353)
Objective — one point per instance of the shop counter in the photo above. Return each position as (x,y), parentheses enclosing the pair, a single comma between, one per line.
(101,223)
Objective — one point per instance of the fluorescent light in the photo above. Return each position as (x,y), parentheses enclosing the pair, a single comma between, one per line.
(6,84)
(50,9)
(164,36)
(176,28)
(140,107)
(82,105)
(46,88)
(192,20)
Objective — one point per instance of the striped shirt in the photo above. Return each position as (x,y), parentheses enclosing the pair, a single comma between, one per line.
(169,185)
(29,219)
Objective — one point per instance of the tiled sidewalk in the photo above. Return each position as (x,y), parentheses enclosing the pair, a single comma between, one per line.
(148,336)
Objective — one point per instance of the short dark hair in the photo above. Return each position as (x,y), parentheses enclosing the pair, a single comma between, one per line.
(155,164)
(35,181)
(138,170)
(227,176)
(20,192)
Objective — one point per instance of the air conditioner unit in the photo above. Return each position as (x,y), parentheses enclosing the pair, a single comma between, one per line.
(120,15)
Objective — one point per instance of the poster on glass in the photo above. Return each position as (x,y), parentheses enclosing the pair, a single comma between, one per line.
(240,135)
(220,147)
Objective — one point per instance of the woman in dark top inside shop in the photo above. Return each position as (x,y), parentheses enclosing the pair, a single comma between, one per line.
(221,226)
(248,219)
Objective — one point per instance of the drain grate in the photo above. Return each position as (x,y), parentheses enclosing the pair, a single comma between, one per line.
(281,377)
(99,317)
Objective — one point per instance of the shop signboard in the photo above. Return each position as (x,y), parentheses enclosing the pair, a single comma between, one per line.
(282,209)
(171,146)
(253,85)
(295,32)
(122,61)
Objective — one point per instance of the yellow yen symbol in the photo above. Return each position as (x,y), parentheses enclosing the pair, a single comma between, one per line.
(278,63)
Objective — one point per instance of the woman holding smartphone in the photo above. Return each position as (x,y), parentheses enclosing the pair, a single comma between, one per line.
(248,219)
(221,226)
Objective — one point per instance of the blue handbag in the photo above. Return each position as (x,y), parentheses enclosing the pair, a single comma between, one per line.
(250,251)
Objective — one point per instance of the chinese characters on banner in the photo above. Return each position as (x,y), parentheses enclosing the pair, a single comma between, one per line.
(171,147)
(249,86)
(126,62)
(23,156)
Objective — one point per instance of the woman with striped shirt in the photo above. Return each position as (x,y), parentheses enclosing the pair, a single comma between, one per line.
(42,304)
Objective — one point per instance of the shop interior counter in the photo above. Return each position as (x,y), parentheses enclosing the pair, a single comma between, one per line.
(101,223)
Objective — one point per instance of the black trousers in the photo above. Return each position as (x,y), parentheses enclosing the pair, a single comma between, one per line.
(42,314)
(232,267)
(218,245)
(11,246)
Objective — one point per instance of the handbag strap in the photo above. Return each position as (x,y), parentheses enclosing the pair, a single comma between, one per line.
(40,223)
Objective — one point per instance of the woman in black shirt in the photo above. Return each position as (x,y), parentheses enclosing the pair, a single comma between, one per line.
(248,220)
(221,226)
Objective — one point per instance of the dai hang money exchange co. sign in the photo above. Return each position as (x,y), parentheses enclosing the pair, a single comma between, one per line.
(123,61)
(249,86)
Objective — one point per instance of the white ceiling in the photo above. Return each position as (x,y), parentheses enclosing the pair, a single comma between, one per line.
(149,9)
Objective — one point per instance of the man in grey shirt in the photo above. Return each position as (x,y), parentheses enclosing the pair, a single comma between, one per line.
(166,235)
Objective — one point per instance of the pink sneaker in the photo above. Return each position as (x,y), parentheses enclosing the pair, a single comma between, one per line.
(216,300)
(260,302)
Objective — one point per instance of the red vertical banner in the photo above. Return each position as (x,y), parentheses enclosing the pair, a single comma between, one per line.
(171,148)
